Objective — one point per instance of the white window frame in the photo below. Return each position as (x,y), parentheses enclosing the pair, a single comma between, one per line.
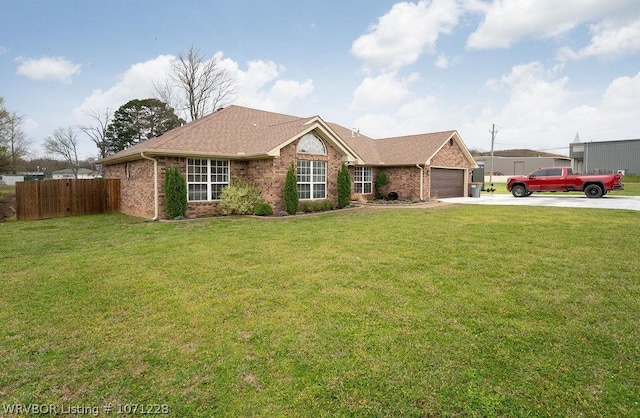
(311,144)
(312,182)
(363,180)
(212,174)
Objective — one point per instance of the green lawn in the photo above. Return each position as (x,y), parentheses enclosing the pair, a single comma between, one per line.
(451,311)
(6,189)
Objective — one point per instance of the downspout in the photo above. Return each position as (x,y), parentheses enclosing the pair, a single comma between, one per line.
(155,185)
(427,168)
(421,181)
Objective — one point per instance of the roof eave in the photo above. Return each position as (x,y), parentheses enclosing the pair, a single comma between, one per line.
(182,153)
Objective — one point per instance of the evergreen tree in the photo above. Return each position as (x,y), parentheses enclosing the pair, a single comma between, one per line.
(344,186)
(139,120)
(291,199)
(175,193)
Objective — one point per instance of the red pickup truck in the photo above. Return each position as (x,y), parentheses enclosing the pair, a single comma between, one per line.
(562,179)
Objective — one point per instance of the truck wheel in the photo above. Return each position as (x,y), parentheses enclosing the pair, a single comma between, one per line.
(593,191)
(519,191)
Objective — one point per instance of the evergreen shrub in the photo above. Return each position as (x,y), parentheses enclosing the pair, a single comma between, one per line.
(291,200)
(175,193)
(263,209)
(317,205)
(381,181)
(344,186)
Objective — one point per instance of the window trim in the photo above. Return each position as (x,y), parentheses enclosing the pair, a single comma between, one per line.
(311,174)
(361,179)
(208,175)
(307,137)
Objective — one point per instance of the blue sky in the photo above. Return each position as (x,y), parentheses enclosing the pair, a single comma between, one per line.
(541,71)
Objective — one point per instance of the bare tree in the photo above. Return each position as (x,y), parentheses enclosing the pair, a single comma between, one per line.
(14,144)
(196,85)
(64,143)
(97,131)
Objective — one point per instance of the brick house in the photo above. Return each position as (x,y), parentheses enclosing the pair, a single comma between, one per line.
(260,146)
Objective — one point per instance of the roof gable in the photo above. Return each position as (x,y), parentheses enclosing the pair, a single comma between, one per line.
(237,132)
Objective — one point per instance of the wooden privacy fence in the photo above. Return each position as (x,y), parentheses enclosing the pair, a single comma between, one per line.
(66,197)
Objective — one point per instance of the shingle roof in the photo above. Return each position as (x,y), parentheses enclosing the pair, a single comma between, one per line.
(240,132)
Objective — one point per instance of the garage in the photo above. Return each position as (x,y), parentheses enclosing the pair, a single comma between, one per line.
(447,182)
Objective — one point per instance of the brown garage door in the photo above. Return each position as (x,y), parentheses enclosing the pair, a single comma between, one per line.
(447,182)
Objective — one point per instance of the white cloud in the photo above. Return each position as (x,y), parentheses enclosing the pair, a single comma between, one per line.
(381,92)
(610,38)
(30,126)
(533,92)
(442,62)
(532,106)
(542,112)
(405,32)
(259,86)
(134,83)
(623,96)
(507,21)
(48,68)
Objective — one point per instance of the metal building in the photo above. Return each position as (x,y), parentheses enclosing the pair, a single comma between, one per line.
(513,166)
(606,156)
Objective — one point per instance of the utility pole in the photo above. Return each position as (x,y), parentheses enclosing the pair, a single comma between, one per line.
(493,137)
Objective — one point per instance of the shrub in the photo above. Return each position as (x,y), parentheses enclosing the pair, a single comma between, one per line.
(291,191)
(239,198)
(175,193)
(381,181)
(317,205)
(344,186)
(263,209)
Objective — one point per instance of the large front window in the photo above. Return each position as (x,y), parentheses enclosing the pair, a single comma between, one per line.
(362,180)
(206,178)
(312,179)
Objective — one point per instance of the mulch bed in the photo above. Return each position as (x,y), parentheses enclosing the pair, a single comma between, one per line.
(7,206)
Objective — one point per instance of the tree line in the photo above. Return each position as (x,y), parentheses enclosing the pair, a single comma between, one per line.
(195,87)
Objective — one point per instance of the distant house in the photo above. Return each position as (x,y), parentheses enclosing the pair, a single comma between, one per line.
(520,161)
(260,146)
(606,156)
(67,173)
(12,179)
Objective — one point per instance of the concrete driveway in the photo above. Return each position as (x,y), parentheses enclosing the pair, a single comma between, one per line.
(568,200)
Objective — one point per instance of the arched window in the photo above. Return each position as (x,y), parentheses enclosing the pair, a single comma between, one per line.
(311,144)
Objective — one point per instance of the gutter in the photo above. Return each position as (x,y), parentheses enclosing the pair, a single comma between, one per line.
(155,184)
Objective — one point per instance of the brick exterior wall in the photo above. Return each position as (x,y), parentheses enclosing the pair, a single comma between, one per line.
(136,186)
(269,175)
(405,180)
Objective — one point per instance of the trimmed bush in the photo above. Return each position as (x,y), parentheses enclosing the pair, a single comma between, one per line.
(344,186)
(317,205)
(291,191)
(239,198)
(263,209)
(175,193)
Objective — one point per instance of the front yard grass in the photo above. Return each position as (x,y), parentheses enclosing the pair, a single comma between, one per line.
(454,311)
